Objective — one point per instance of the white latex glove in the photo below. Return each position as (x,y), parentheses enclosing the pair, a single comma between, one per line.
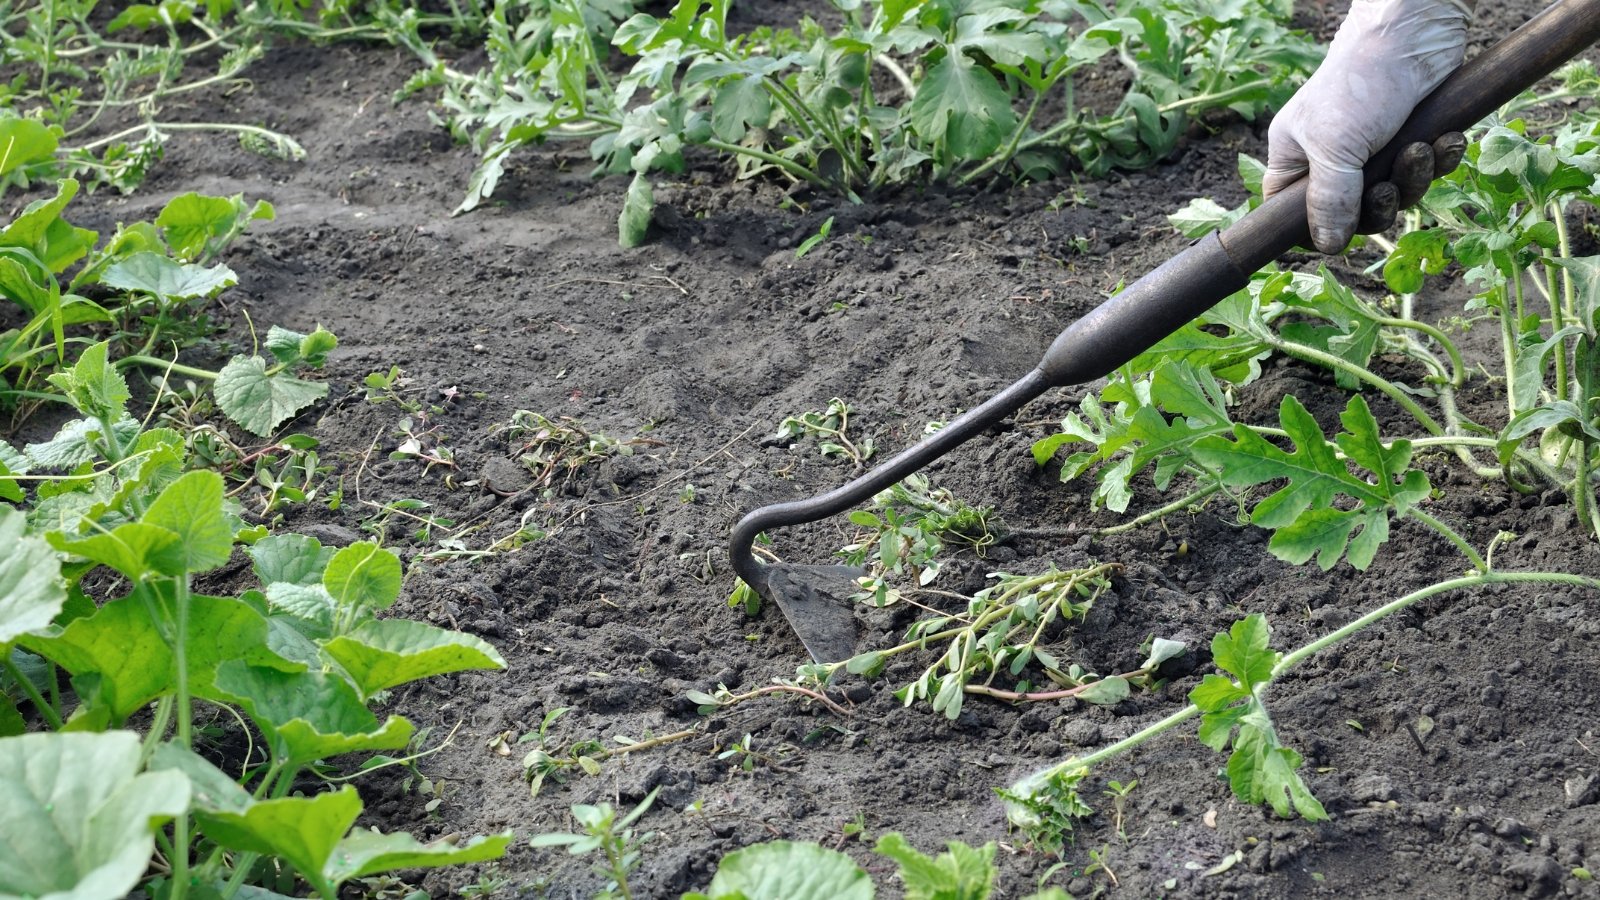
(1386,57)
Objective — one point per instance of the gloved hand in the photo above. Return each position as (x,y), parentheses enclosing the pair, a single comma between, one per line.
(1386,57)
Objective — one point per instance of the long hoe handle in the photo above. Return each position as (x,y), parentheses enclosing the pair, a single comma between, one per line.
(1208,271)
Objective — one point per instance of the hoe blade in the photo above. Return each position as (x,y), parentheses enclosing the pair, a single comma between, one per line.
(816,601)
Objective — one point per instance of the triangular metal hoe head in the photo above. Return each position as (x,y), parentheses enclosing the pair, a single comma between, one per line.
(816,601)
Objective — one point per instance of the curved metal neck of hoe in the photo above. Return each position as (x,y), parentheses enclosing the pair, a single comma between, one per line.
(880,477)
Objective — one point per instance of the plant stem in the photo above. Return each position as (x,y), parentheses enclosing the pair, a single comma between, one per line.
(1039,696)
(1457,372)
(158,729)
(1452,536)
(784,688)
(49,712)
(1508,346)
(788,165)
(1181,503)
(1312,354)
(650,744)
(1299,655)
(181,126)
(184,707)
(1582,493)
(167,364)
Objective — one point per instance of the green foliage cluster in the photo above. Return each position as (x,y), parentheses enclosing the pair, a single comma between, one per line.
(142,284)
(301,657)
(1500,219)
(898,92)
(795,870)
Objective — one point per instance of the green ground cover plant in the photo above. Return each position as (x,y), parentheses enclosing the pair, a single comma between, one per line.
(89,92)
(895,93)
(1502,219)
(101,588)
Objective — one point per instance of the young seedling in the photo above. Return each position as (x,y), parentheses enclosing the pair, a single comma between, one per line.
(615,839)
(829,427)
(905,534)
(556,450)
(1118,792)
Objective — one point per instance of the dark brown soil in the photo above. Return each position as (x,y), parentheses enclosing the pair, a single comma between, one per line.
(922,303)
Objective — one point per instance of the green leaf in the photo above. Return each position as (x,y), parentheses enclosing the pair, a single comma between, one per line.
(382,653)
(1161,650)
(135,549)
(1563,414)
(40,230)
(93,386)
(363,576)
(24,142)
(291,347)
(126,656)
(258,400)
(166,278)
(1316,479)
(960,872)
(290,559)
(167,13)
(962,107)
(1214,692)
(1585,274)
(73,445)
(1260,769)
(304,831)
(308,715)
(740,104)
(365,853)
(1416,254)
(1244,651)
(212,789)
(195,224)
(79,820)
(1202,215)
(983,31)
(790,870)
(310,602)
(31,590)
(1106,691)
(633,223)
(191,508)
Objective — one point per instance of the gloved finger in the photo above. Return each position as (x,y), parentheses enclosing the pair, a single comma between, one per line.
(1412,173)
(1286,163)
(1447,153)
(1382,203)
(1333,206)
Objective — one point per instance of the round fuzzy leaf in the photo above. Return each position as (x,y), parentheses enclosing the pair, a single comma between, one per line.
(26,142)
(78,822)
(31,592)
(369,852)
(153,273)
(191,508)
(302,830)
(260,402)
(382,653)
(363,575)
(790,870)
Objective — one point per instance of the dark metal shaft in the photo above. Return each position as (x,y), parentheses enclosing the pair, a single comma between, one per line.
(1205,273)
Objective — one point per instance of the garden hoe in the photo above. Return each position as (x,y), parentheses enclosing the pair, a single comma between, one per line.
(815,598)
